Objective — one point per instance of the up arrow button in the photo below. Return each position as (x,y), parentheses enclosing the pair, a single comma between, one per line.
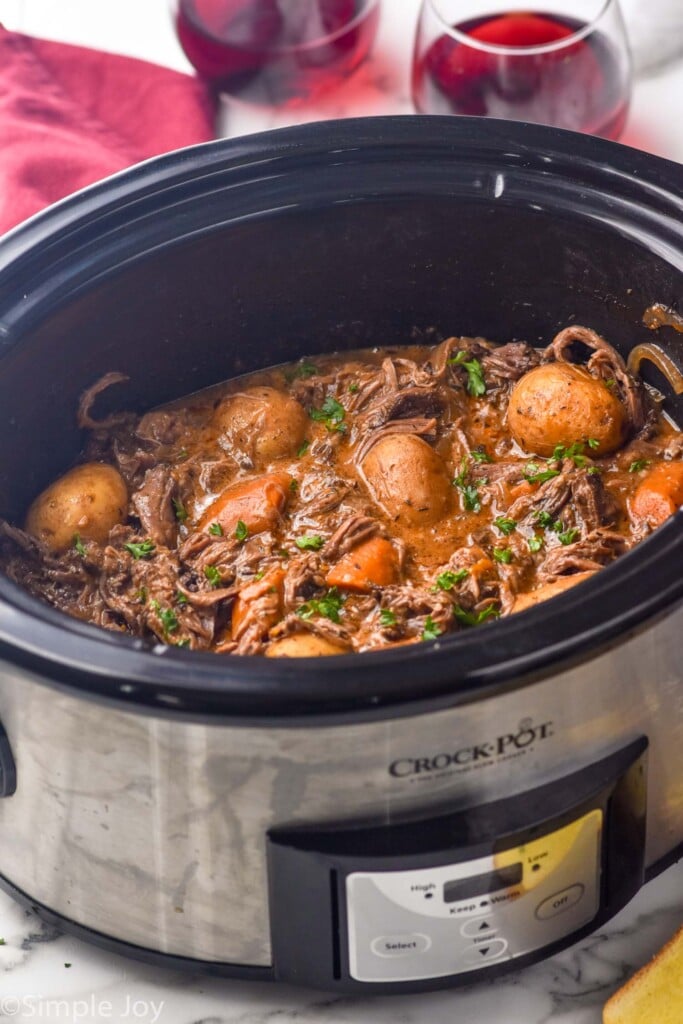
(475,928)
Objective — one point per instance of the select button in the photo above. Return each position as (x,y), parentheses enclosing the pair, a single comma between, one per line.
(560,902)
(400,945)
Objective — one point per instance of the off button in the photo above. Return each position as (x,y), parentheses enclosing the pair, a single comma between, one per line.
(400,945)
(560,902)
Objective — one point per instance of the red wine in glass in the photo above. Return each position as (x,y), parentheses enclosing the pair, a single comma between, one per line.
(561,76)
(276,51)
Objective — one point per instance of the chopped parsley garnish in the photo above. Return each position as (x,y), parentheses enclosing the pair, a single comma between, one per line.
(431,630)
(568,536)
(216,530)
(311,542)
(574,452)
(458,359)
(544,519)
(305,370)
(470,491)
(293,485)
(181,513)
(241,531)
(636,466)
(183,643)
(459,480)
(354,389)
(476,385)
(145,549)
(387,617)
(502,555)
(535,543)
(213,575)
(181,598)
(479,455)
(303,449)
(470,497)
(535,475)
(447,580)
(168,617)
(506,526)
(79,545)
(328,606)
(475,618)
(259,575)
(331,413)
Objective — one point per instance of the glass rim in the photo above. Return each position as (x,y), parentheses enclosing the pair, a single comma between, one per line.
(520,51)
(309,44)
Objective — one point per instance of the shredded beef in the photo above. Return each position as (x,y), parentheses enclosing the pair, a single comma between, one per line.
(83,417)
(506,364)
(304,580)
(592,552)
(352,532)
(265,568)
(159,427)
(583,492)
(153,505)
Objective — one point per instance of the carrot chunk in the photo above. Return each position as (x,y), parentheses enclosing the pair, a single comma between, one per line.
(660,494)
(256,503)
(372,564)
(271,582)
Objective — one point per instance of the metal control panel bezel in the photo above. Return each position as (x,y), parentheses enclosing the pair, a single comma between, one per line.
(403,925)
(309,868)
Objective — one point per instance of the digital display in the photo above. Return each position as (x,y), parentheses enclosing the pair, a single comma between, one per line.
(479,885)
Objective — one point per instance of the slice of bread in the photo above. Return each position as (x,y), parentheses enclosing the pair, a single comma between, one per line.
(655,994)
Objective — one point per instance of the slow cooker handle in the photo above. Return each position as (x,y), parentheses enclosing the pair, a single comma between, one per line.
(8,770)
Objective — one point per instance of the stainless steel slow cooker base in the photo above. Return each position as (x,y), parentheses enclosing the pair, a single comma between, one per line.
(154,831)
(295,820)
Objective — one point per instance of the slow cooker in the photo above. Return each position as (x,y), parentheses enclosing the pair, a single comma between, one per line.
(386,822)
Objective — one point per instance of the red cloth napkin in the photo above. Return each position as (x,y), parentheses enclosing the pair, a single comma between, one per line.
(70,116)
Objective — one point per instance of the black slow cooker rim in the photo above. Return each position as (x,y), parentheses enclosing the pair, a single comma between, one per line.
(619,601)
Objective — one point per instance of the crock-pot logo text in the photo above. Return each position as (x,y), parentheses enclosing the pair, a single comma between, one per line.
(505,747)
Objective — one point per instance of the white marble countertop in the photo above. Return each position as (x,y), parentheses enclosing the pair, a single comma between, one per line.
(44,976)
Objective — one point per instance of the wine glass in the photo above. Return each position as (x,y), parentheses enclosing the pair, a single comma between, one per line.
(275,51)
(560,62)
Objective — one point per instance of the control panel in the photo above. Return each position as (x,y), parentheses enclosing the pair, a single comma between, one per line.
(425,901)
(430,923)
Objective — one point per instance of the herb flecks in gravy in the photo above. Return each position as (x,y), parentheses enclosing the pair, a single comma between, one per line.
(357,501)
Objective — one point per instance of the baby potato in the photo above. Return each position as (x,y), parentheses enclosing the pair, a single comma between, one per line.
(561,403)
(548,590)
(265,423)
(304,645)
(88,500)
(407,479)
